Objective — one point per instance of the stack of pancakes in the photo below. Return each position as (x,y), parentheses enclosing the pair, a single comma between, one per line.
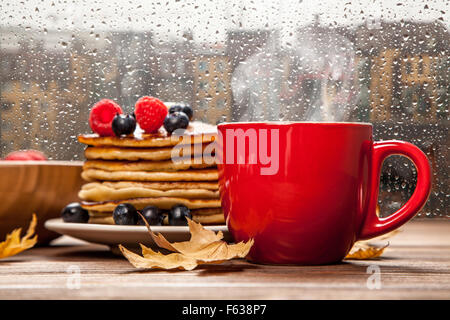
(141,169)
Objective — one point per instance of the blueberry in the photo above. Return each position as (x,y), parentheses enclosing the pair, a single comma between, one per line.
(123,124)
(73,212)
(125,214)
(182,108)
(153,216)
(176,108)
(178,215)
(188,111)
(176,120)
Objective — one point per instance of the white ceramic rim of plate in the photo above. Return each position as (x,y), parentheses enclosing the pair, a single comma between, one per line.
(58,223)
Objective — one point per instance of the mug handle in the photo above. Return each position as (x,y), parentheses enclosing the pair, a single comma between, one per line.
(374,226)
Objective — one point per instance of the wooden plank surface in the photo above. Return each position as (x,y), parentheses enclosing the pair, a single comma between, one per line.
(415,266)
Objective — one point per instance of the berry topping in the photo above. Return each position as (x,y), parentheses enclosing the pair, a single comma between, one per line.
(188,111)
(178,215)
(123,124)
(102,115)
(150,113)
(125,214)
(153,216)
(73,212)
(183,108)
(26,155)
(176,108)
(176,120)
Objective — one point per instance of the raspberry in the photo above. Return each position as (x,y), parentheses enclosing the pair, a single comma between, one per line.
(102,115)
(150,113)
(26,155)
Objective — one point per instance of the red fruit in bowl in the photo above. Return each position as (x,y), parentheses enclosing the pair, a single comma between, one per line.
(26,155)
(102,115)
(150,113)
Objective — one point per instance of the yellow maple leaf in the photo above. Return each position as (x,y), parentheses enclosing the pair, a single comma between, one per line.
(364,251)
(205,246)
(13,244)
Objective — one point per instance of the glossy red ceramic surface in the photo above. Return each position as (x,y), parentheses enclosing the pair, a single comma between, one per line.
(322,197)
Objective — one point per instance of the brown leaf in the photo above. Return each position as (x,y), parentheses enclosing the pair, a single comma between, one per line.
(157,260)
(215,251)
(363,251)
(200,237)
(13,244)
(205,246)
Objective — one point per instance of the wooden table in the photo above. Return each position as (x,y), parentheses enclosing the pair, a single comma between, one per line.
(415,266)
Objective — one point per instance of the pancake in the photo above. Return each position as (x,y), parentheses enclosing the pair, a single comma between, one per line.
(139,169)
(196,132)
(98,214)
(207,211)
(101,220)
(104,193)
(162,203)
(153,154)
(210,219)
(188,175)
(145,165)
(154,185)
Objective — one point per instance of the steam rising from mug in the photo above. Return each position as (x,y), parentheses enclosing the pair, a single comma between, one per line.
(312,80)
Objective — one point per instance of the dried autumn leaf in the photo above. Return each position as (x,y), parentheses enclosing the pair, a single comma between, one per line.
(200,237)
(13,244)
(215,251)
(204,247)
(157,260)
(363,251)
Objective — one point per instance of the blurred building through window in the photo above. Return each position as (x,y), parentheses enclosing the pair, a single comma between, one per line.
(396,76)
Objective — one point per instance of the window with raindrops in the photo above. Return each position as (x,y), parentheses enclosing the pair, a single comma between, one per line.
(385,62)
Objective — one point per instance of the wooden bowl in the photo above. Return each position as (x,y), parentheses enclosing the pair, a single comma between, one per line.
(41,187)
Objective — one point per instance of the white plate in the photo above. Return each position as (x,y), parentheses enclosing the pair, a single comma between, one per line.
(129,236)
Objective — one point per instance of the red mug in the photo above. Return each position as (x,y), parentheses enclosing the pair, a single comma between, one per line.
(305,192)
